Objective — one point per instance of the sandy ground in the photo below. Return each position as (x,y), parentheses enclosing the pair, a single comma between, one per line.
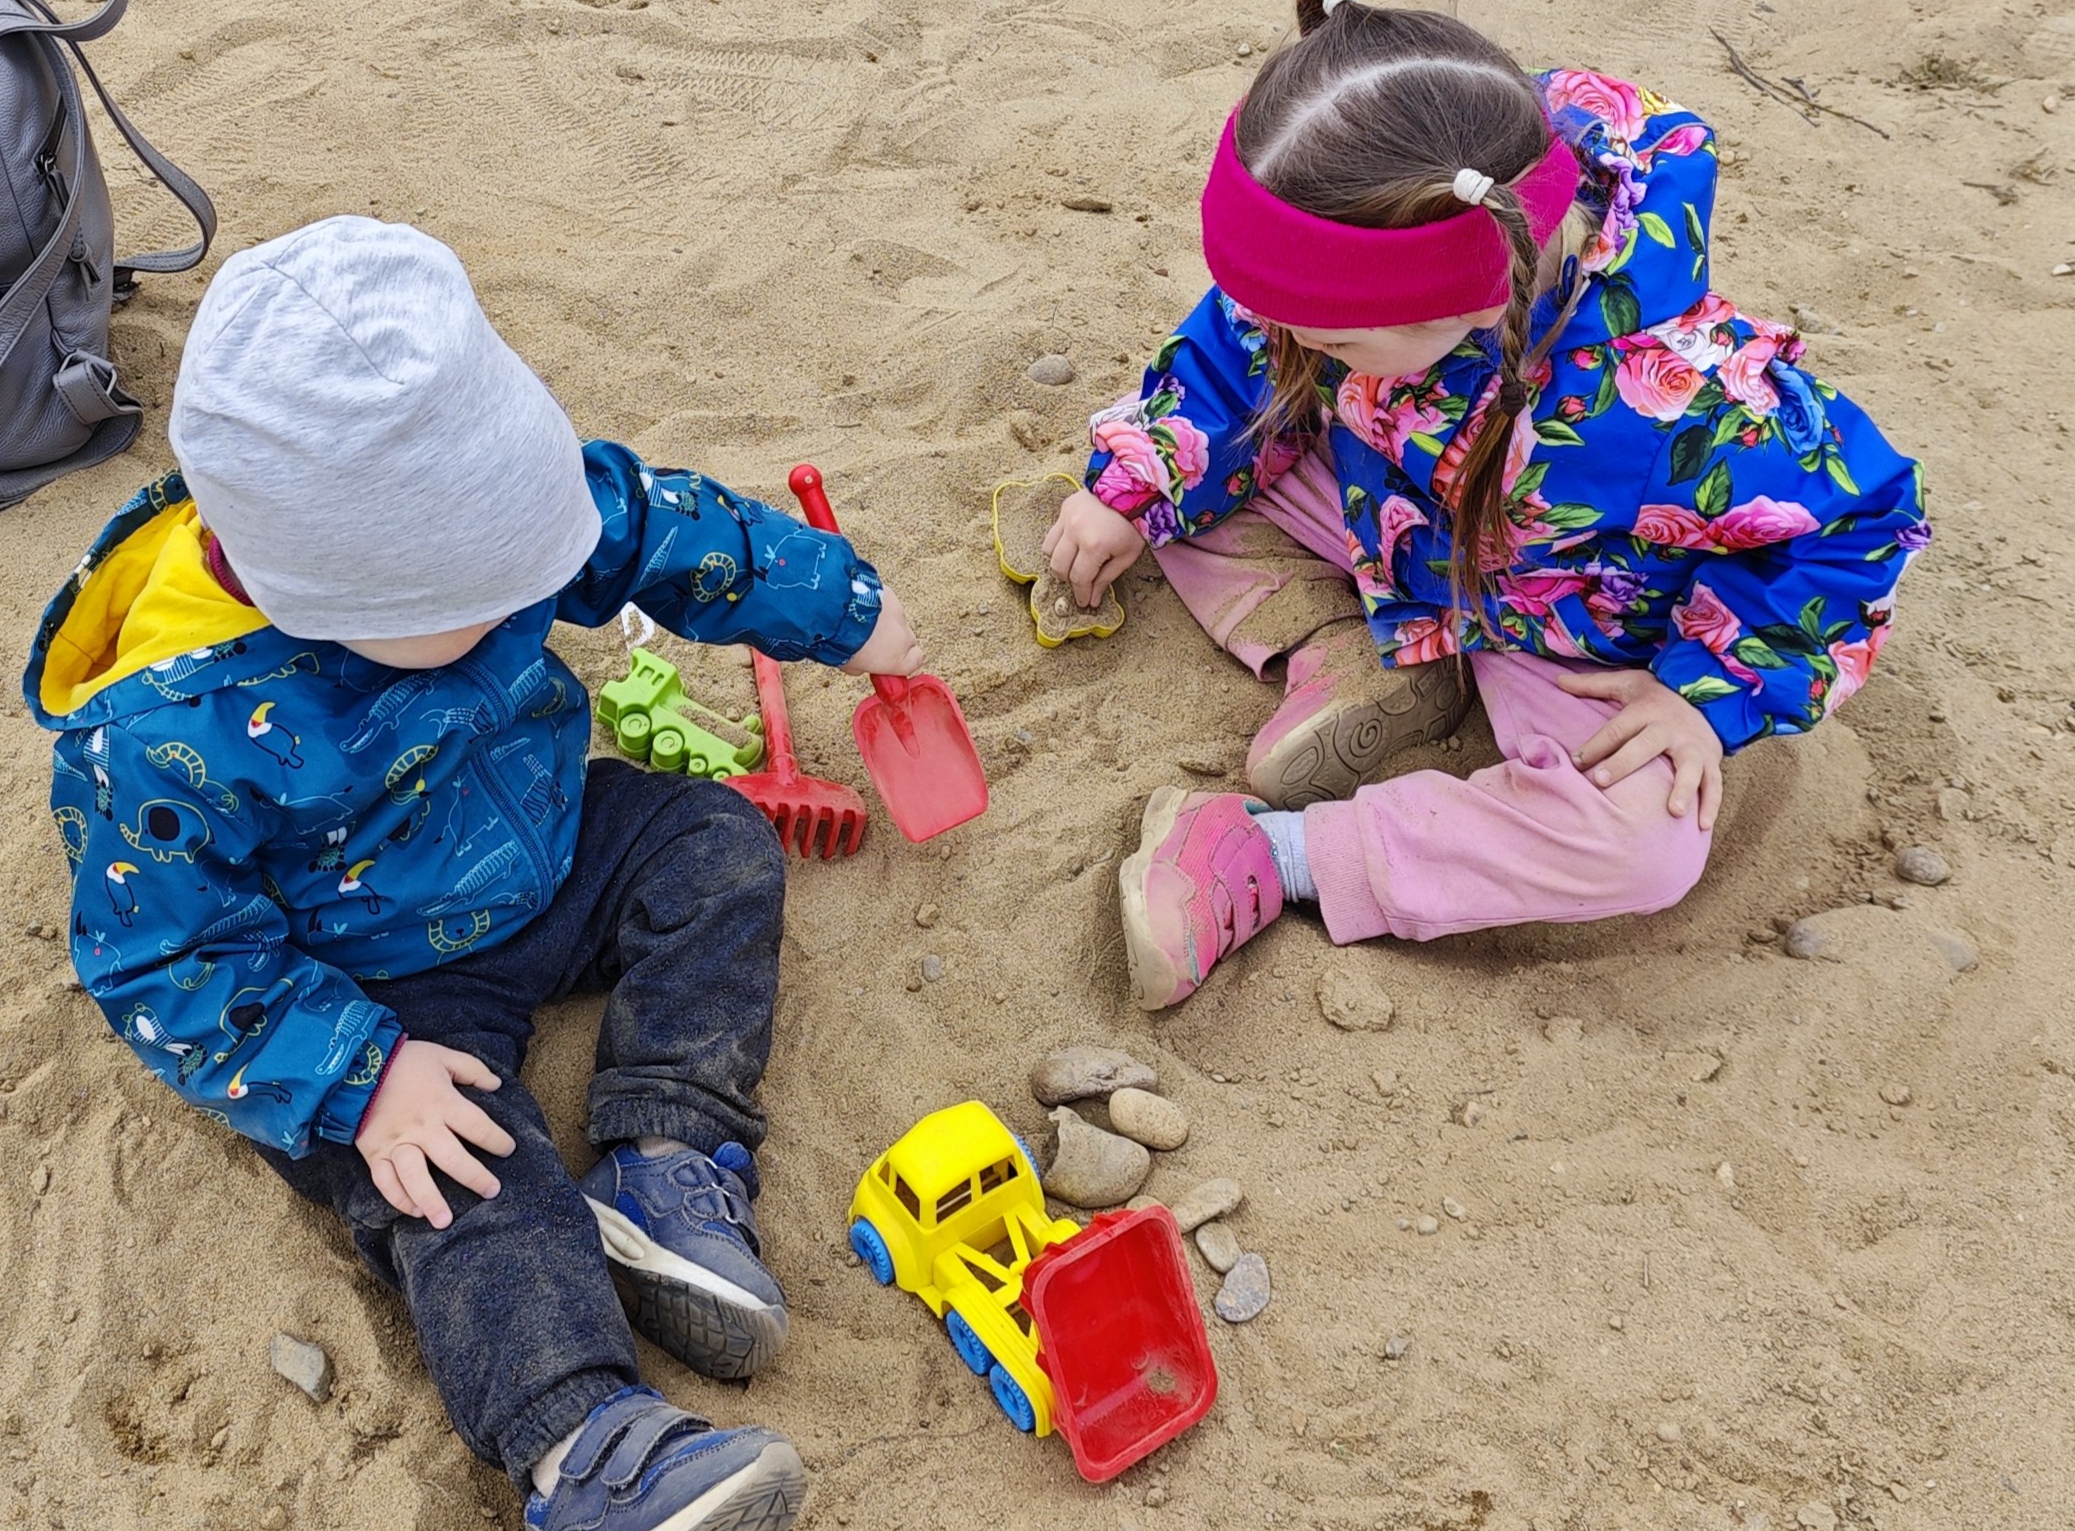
(741,236)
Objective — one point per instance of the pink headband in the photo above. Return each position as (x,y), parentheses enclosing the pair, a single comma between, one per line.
(1297,268)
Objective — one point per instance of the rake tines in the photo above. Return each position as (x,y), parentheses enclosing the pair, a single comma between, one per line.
(812,817)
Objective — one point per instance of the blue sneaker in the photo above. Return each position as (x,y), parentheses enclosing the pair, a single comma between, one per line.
(682,1240)
(640,1465)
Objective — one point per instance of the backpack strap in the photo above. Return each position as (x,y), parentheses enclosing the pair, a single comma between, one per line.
(18,307)
(171,176)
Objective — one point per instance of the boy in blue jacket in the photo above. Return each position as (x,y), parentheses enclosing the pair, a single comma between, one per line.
(325,794)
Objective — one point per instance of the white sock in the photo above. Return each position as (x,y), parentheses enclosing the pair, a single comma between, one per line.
(545,1469)
(1286,844)
(658,1148)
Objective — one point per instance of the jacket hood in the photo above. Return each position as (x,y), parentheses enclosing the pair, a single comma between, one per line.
(141,624)
(1650,174)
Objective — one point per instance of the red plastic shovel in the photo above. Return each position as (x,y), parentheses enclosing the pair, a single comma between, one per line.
(913,737)
(810,814)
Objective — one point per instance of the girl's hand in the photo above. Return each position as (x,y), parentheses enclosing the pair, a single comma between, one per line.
(1654,720)
(1090,545)
(419,1119)
(893,648)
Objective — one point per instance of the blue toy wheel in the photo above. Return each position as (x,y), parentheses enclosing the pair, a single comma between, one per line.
(871,1249)
(970,1347)
(1013,1400)
(1029,1158)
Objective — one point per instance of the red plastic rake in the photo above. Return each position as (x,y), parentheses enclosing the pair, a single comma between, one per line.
(812,816)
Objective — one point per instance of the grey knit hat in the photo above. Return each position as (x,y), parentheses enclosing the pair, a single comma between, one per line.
(375,460)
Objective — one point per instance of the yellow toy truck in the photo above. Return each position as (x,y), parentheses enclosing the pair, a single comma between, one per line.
(1096,1329)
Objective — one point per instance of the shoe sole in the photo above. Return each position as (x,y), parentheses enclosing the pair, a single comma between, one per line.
(706,1321)
(1156,982)
(764,1496)
(1320,766)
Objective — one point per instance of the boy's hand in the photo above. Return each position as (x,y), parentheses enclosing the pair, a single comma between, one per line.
(893,648)
(419,1119)
(1654,720)
(1090,545)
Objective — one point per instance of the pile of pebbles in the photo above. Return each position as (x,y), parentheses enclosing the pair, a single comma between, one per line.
(1094,1168)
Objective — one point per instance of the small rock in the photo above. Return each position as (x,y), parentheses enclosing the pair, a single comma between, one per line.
(1816,1516)
(1705,1067)
(1896,1094)
(1092,1168)
(926,916)
(1245,1292)
(1140,1203)
(1352,1003)
(1617,1323)
(1806,939)
(1209,1201)
(1246,50)
(1385,1080)
(1454,1208)
(2049,104)
(1395,1347)
(1921,864)
(1667,1431)
(1810,322)
(274,1519)
(33,928)
(1205,765)
(2064,268)
(1428,1226)
(1219,1246)
(39,1181)
(1149,1119)
(1563,1029)
(1470,1113)
(1082,203)
(932,968)
(1156,1496)
(304,1364)
(1956,949)
(1053,371)
(1726,1173)
(1088,1073)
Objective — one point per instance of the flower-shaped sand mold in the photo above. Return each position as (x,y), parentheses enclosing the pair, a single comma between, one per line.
(1023,513)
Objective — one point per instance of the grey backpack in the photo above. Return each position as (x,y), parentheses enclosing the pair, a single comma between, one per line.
(61,406)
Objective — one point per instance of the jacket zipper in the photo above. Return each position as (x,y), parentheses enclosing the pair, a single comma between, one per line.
(486,773)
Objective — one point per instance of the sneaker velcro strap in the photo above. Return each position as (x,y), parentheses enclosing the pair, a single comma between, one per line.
(637,1447)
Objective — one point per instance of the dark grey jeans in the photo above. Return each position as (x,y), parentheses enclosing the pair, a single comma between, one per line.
(673,906)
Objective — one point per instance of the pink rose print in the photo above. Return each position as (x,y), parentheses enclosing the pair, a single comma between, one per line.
(1366,406)
(1755,523)
(1519,450)
(1191,450)
(1394,520)
(1682,140)
(1136,474)
(1535,592)
(1854,662)
(1743,376)
(1423,639)
(1656,382)
(1619,102)
(1703,618)
(1671,526)
(1276,458)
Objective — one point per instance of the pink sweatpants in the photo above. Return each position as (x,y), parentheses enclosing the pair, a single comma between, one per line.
(1427,854)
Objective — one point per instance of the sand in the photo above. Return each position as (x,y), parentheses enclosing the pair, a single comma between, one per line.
(1708,1276)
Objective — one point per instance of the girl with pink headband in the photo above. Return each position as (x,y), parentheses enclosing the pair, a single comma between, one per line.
(1464,403)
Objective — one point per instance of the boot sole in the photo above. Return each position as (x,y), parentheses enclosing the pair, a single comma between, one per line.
(706,1321)
(1156,982)
(765,1496)
(1327,765)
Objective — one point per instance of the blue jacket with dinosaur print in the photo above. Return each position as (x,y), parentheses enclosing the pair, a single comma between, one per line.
(257,822)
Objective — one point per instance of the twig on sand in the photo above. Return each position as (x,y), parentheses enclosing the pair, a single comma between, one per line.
(1800,101)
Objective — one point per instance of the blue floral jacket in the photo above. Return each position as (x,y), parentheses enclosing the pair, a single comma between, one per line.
(1682,495)
(256,823)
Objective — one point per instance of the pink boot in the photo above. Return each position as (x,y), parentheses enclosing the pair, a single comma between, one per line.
(1343,713)
(1201,883)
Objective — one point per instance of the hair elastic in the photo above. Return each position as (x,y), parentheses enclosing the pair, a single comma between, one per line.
(1296,268)
(1472,187)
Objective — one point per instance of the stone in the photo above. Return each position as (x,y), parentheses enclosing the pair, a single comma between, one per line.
(1353,1003)
(1053,371)
(1807,939)
(1156,1496)
(1667,1431)
(1454,1208)
(1088,1073)
(1896,1094)
(1140,1203)
(39,1180)
(1386,1082)
(1091,1168)
(1956,949)
(1921,864)
(1816,1516)
(926,916)
(932,968)
(1470,1113)
(1428,1226)
(1219,1246)
(1810,322)
(1206,1203)
(1245,1292)
(274,1519)
(1726,1173)
(1563,1030)
(302,1363)
(1395,1347)
(1149,1119)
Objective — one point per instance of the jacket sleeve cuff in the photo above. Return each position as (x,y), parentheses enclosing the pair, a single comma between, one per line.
(860,615)
(346,1106)
(1729,700)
